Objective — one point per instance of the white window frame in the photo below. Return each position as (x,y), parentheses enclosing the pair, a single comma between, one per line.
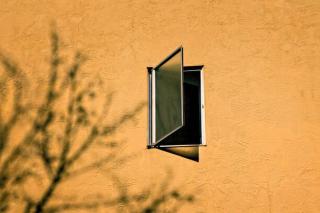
(151,107)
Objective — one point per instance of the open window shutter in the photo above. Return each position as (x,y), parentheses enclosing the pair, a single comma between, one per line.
(167,96)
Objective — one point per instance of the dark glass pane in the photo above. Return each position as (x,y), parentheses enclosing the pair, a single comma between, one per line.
(190,133)
(168,94)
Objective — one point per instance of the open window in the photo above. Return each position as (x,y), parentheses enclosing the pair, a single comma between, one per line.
(176,103)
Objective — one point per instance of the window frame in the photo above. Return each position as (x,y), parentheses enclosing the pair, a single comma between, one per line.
(151,105)
(154,139)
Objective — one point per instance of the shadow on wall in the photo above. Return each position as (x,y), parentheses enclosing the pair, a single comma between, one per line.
(191,153)
(58,132)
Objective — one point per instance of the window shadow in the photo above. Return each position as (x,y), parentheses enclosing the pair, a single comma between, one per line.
(188,152)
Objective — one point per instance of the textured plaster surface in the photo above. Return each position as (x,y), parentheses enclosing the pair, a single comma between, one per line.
(262,89)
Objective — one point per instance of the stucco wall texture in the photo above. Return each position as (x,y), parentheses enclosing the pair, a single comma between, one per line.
(262,89)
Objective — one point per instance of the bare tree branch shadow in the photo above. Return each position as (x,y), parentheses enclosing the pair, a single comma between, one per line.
(59,132)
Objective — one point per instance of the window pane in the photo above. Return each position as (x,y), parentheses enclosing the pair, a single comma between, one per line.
(168,96)
(190,133)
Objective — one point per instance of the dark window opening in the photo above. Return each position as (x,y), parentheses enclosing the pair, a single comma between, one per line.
(190,133)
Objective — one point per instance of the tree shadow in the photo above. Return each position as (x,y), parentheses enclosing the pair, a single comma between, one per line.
(58,133)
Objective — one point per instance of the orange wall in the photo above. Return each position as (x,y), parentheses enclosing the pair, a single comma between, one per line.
(262,88)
